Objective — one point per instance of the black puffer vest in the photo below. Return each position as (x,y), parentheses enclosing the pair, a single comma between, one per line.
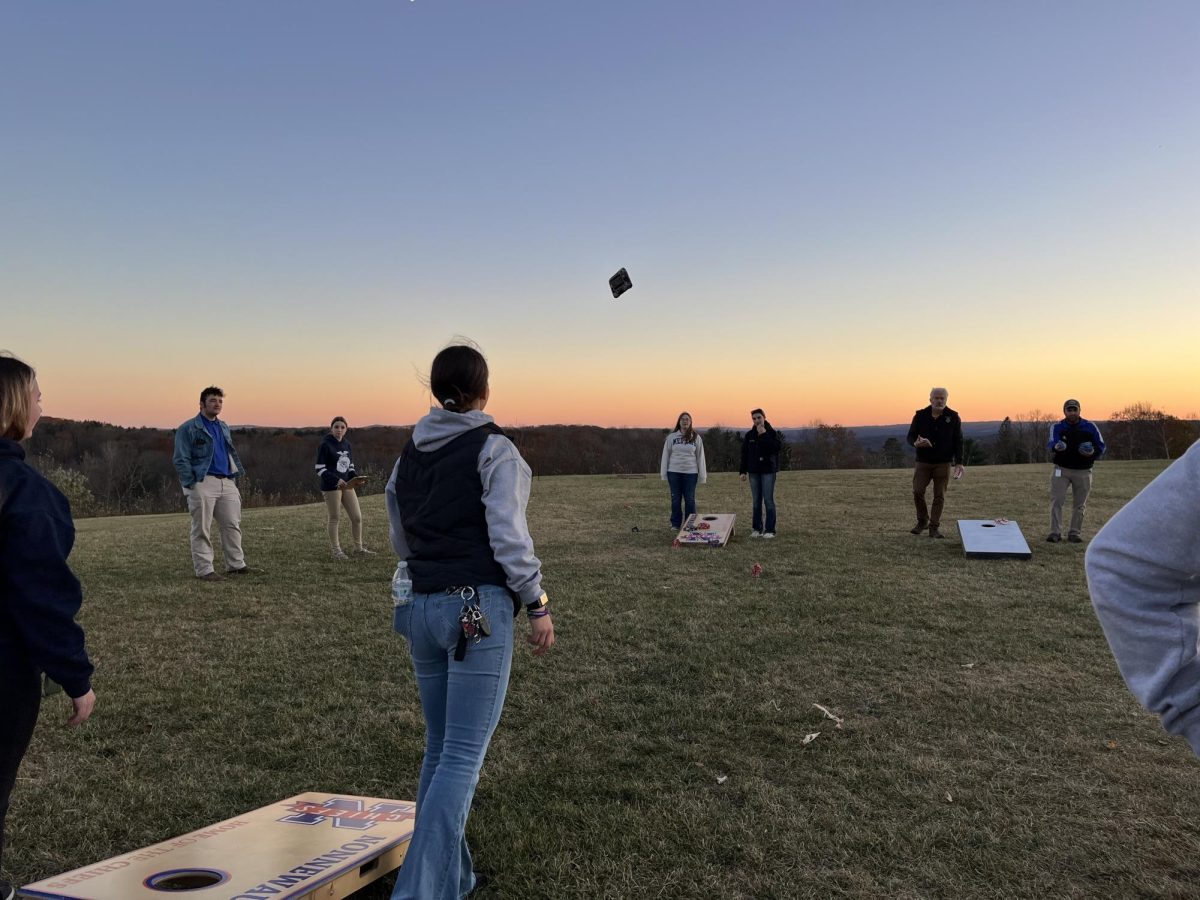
(440,496)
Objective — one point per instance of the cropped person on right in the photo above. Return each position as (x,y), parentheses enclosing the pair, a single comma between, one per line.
(1143,571)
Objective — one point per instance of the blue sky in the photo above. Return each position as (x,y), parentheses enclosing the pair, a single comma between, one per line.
(825,207)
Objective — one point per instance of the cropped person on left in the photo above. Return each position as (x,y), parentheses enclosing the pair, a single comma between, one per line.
(39,595)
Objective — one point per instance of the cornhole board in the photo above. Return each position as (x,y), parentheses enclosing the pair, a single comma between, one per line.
(993,539)
(306,847)
(705,530)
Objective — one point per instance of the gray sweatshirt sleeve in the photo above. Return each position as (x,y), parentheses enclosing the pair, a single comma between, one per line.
(701,468)
(395,526)
(1143,571)
(506,481)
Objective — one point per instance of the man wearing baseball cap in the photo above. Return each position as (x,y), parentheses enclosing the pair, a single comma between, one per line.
(1076,445)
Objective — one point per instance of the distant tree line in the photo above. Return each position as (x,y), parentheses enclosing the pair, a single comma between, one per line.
(111,470)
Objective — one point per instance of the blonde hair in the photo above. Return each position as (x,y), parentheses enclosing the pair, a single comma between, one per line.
(16,391)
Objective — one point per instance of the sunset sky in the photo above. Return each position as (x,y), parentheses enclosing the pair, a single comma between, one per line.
(826,207)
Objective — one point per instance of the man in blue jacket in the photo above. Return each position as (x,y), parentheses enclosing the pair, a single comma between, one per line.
(1076,445)
(208,467)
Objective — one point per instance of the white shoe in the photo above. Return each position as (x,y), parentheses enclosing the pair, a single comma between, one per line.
(338,554)
(363,551)
(768,534)
(755,534)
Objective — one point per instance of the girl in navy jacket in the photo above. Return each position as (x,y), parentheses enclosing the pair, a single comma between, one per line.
(39,595)
(338,481)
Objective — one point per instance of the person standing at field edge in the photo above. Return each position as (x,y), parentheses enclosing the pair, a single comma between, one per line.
(936,433)
(760,463)
(1076,445)
(208,467)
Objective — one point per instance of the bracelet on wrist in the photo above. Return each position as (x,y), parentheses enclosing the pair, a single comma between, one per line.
(538,613)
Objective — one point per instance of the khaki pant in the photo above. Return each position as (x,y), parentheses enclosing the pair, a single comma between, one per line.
(939,474)
(219,499)
(1080,481)
(334,500)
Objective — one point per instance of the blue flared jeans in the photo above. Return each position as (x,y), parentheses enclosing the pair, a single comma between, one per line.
(683,495)
(461,702)
(762,494)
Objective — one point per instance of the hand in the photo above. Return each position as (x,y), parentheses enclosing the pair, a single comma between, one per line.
(958,472)
(1087,451)
(743,476)
(761,429)
(341,485)
(541,634)
(1060,446)
(923,442)
(83,708)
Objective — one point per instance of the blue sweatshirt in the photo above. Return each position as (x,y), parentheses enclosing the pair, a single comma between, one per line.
(1143,571)
(39,595)
(1074,436)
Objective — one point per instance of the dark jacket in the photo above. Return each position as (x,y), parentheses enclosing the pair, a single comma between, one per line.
(334,463)
(439,494)
(39,595)
(945,432)
(760,452)
(1082,432)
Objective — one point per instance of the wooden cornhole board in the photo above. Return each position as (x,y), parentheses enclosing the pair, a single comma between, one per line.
(705,530)
(993,539)
(310,846)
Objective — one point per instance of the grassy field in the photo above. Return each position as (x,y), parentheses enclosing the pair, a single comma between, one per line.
(989,747)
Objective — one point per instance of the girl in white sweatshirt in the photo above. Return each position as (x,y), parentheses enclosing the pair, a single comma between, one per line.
(682,467)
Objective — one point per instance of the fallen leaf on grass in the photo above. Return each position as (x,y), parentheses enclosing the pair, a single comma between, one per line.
(968,665)
(809,738)
(721,779)
(830,715)
(949,799)
(1112,745)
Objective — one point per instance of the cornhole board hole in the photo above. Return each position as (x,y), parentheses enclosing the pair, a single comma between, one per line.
(993,539)
(706,530)
(306,847)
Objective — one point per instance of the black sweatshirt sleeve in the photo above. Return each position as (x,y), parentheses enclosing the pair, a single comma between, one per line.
(42,596)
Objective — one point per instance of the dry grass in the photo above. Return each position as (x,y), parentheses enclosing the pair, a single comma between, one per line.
(989,747)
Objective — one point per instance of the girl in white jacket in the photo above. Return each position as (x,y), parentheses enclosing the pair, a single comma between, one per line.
(682,467)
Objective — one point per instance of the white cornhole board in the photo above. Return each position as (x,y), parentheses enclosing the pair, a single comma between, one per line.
(705,530)
(310,846)
(993,539)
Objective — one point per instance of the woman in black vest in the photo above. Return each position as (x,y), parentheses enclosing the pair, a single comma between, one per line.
(39,595)
(456,503)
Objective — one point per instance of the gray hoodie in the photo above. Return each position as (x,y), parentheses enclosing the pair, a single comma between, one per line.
(1143,571)
(506,481)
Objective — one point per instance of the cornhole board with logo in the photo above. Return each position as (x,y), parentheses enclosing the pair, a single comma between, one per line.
(993,539)
(309,847)
(705,530)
